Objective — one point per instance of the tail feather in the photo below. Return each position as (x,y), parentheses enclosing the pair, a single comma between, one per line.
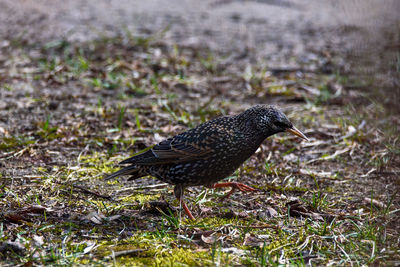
(132,170)
(139,158)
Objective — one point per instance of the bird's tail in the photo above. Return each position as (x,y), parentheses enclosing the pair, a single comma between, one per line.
(131,170)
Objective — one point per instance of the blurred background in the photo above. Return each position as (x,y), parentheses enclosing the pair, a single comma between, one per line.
(365,34)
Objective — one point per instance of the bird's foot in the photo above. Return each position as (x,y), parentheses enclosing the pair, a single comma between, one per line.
(178,192)
(234,186)
(188,213)
(186,209)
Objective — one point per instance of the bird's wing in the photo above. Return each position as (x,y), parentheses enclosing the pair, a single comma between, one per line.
(171,150)
(197,143)
(181,150)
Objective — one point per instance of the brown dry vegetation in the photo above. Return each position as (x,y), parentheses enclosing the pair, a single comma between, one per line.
(70,112)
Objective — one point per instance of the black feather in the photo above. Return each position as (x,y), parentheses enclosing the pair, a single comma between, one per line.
(130,170)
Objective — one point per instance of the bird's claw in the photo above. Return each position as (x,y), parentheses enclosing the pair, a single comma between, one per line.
(241,187)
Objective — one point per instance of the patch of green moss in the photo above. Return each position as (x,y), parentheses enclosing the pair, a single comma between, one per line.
(51,134)
(213,222)
(149,250)
(172,257)
(183,257)
(9,143)
(141,198)
(98,163)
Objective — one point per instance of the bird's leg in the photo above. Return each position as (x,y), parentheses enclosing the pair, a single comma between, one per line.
(178,192)
(234,186)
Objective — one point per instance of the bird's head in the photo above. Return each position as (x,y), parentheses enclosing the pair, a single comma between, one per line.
(270,120)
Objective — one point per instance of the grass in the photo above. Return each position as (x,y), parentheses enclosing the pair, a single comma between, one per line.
(332,201)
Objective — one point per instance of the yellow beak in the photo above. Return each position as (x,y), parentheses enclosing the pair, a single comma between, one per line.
(296,131)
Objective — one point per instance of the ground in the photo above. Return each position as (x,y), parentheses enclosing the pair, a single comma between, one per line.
(71,109)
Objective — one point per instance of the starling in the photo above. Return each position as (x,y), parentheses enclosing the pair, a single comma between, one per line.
(210,152)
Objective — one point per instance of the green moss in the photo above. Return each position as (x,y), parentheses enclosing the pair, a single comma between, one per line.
(141,198)
(156,252)
(183,257)
(41,169)
(98,163)
(13,142)
(172,257)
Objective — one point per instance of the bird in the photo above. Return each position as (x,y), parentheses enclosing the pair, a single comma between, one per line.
(210,152)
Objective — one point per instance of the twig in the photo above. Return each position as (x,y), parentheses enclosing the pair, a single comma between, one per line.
(311,90)
(13,154)
(84,190)
(7,154)
(154,186)
(337,153)
(375,202)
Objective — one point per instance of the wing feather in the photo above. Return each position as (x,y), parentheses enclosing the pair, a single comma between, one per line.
(171,150)
(194,144)
(178,151)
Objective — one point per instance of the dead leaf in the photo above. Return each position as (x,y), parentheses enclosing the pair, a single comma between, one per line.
(269,212)
(38,240)
(316,216)
(89,248)
(374,202)
(36,209)
(95,217)
(252,240)
(169,128)
(317,174)
(209,239)
(205,210)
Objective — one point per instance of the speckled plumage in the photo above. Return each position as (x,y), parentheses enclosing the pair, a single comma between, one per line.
(210,152)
